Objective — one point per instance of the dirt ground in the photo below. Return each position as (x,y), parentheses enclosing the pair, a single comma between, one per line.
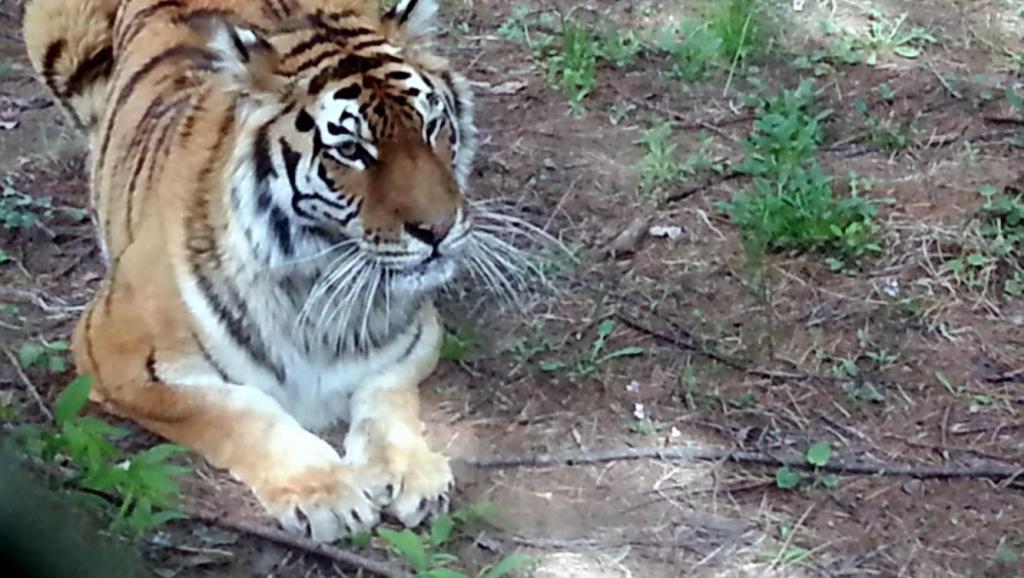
(688,302)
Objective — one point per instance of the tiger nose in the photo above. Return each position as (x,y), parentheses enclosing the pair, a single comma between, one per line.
(431,233)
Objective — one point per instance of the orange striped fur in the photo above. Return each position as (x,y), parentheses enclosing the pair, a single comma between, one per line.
(278,186)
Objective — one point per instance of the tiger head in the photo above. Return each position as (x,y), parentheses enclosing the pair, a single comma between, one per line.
(360,142)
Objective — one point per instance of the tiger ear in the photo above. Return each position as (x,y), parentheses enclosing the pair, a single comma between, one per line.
(412,21)
(241,52)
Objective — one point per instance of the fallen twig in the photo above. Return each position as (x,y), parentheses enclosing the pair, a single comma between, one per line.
(31,387)
(716,180)
(265,532)
(680,453)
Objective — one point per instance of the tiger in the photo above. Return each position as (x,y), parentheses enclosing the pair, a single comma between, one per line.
(280,192)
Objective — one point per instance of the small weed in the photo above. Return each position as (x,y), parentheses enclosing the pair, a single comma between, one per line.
(993,259)
(790,205)
(788,554)
(818,455)
(574,68)
(426,553)
(618,48)
(743,28)
(659,167)
(692,49)
(21,211)
(458,346)
(596,357)
(52,357)
(141,486)
(887,36)
(886,134)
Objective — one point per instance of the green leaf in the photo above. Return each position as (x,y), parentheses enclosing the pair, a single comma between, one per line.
(786,478)
(453,349)
(976,260)
(605,328)
(30,354)
(362,539)
(956,266)
(829,481)
(4,257)
(441,530)
(988,191)
(58,364)
(408,545)
(72,399)
(907,51)
(443,573)
(819,453)
(157,454)
(552,365)
(507,565)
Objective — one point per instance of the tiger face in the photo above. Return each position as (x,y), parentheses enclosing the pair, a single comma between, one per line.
(361,140)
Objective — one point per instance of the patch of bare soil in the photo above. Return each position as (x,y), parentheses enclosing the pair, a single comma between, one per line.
(727,363)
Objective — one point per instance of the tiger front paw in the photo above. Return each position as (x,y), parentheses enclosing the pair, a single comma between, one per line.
(424,488)
(324,503)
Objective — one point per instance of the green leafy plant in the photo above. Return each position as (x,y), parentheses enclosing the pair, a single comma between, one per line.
(692,48)
(19,211)
(574,67)
(790,205)
(619,48)
(457,346)
(818,456)
(596,357)
(891,36)
(887,134)
(426,552)
(52,357)
(137,492)
(743,28)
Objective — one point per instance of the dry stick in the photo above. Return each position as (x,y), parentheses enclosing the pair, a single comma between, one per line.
(293,541)
(704,454)
(31,387)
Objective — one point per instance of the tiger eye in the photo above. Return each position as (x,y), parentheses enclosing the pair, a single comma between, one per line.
(348,149)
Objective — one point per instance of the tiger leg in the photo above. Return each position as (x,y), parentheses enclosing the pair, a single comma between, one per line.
(386,436)
(297,476)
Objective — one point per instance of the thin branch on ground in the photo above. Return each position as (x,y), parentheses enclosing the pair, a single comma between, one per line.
(31,387)
(716,180)
(839,466)
(684,122)
(265,532)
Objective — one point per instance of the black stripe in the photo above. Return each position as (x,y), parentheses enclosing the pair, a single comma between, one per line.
(351,65)
(282,229)
(371,43)
(239,45)
(90,70)
(261,155)
(151,366)
(205,58)
(412,345)
(138,21)
(408,11)
(315,61)
(449,82)
(208,358)
(306,45)
(50,57)
(203,248)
